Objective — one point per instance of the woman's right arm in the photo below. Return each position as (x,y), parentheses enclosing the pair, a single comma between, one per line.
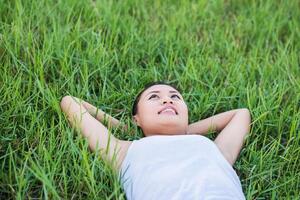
(98,136)
(101,115)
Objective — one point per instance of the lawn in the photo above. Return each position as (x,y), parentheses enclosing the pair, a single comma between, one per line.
(222,54)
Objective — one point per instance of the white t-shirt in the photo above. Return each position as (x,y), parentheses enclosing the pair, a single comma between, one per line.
(178,167)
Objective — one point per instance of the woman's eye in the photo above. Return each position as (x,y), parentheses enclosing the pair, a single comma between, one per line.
(152,96)
(176,96)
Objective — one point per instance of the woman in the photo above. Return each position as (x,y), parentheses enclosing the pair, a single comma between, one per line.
(174,160)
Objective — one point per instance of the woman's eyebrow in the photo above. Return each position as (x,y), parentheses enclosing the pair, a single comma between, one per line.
(171,91)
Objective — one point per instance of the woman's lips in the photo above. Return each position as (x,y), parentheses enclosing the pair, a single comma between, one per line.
(168,111)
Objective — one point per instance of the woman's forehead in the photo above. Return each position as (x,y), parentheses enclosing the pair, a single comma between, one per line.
(159,88)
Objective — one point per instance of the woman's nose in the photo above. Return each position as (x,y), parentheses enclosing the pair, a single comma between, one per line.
(167,99)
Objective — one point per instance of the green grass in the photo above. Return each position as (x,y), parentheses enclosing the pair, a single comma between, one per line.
(222,54)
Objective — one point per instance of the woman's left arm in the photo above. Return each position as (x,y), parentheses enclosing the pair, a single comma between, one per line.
(231,139)
(234,125)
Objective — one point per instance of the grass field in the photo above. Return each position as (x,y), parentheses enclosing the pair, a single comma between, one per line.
(222,54)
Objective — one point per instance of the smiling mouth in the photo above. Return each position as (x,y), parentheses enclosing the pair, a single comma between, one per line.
(168,111)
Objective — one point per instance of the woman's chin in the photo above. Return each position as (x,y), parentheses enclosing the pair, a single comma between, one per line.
(168,115)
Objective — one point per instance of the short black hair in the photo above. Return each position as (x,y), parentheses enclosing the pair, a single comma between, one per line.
(137,99)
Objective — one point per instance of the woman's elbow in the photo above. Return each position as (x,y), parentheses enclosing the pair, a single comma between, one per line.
(247,116)
(65,101)
(246,111)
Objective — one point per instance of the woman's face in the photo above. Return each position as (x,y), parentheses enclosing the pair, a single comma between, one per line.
(153,116)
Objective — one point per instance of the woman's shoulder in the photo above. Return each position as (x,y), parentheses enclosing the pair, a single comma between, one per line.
(124,146)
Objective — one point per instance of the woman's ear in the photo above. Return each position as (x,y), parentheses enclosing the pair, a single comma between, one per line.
(136,119)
